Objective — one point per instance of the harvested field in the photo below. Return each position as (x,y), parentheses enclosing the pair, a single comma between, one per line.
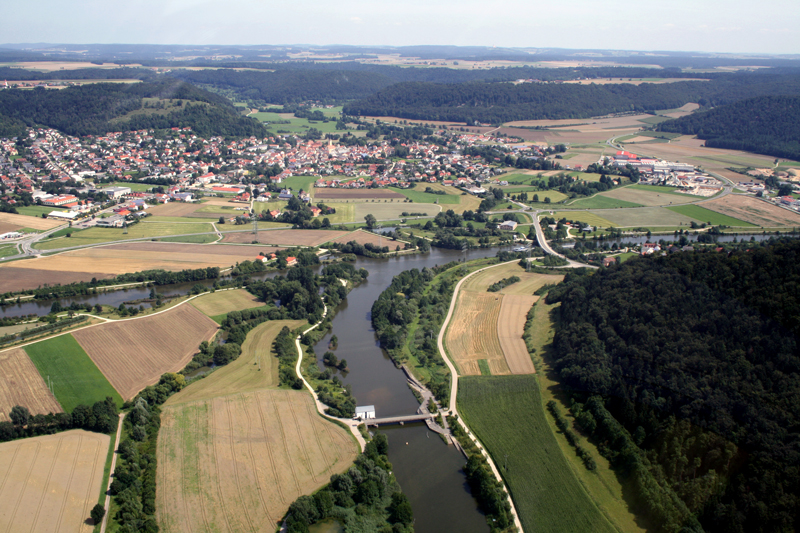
(526,286)
(15,277)
(221,302)
(174,209)
(510,327)
(255,369)
(5,227)
(22,221)
(649,198)
(355,194)
(754,211)
(22,385)
(472,334)
(292,237)
(133,354)
(236,463)
(108,261)
(51,483)
(364,237)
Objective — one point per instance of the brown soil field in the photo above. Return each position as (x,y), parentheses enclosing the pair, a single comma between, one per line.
(16,278)
(51,483)
(133,354)
(510,327)
(472,334)
(174,209)
(753,210)
(24,221)
(364,237)
(221,302)
(21,384)
(293,237)
(355,194)
(255,369)
(236,463)
(5,227)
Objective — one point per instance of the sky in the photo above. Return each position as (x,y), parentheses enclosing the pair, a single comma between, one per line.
(732,26)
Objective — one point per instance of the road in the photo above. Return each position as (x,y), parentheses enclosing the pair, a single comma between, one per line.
(107,504)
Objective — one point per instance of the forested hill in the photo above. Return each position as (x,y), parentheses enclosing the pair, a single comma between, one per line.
(98,108)
(503,102)
(767,125)
(696,355)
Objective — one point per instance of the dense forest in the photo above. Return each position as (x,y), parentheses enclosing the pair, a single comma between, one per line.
(503,102)
(90,109)
(685,369)
(766,125)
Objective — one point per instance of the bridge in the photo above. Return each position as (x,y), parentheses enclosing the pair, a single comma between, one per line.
(419,417)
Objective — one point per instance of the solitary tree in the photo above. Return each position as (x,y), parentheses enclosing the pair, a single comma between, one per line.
(19,415)
(98,512)
(370,220)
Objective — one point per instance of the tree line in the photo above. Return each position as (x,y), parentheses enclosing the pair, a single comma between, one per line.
(694,356)
(765,125)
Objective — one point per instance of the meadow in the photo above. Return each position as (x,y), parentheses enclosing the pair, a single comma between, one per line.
(75,378)
(507,415)
(708,216)
(143,229)
(600,201)
(223,302)
(645,217)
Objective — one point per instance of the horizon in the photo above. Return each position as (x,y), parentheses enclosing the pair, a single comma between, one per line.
(682,26)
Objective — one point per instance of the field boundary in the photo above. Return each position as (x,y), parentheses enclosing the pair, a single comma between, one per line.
(453,410)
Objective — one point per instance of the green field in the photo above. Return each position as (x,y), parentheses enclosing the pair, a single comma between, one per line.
(298,125)
(711,217)
(419,196)
(133,186)
(644,217)
(507,415)
(584,216)
(140,230)
(76,379)
(299,182)
(36,210)
(585,176)
(601,202)
(8,250)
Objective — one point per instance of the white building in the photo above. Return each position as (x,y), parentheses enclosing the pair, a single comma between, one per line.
(365,412)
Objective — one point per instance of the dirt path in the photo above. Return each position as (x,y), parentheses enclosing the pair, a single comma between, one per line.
(107,503)
(454,392)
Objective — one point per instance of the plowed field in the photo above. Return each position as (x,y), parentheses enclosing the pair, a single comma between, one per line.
(133,354)
(51,483)
(510,326)
(21,384)
(14,278)
(754,211)
(292,237)
(355,194)
(235,463)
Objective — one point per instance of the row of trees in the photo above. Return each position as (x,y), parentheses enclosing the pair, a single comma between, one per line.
(100,417)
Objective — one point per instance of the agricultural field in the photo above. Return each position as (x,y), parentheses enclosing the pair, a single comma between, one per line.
(290,237)
(175,209)
(708,216)
(479,330)
(419,196)
(644,217)
(75,378)
(143,229)
(236,462)
(37,211)
(753,211)
(50,483)
(650,197)
(21,384)
(364,237)
(392,211)
(339,195)
(222,302)
(588,217)
(298,183)
(601,201)
(108,261)
(510,326)
(7,250)
(134,353)
(507,415)
(14,222)
(255,369)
